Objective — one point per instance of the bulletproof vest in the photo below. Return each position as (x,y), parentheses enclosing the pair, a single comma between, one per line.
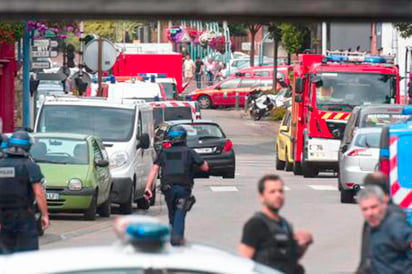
(178,166)
(279,251)
(14,183)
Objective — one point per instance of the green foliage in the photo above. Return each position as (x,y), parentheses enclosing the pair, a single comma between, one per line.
(238,29)
(11,31)
(405,29)
(110,29)
(292,37)
(278,113)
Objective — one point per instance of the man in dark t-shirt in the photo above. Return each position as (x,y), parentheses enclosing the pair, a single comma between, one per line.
(267,237)
(198,72)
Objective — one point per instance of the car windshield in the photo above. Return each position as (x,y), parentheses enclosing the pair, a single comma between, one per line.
(202,131)
(382,119)
(171,113)
(60,151)
(338,91)
(110,124)
(368,140)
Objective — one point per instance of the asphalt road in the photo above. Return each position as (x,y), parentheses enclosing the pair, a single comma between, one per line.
(224,205)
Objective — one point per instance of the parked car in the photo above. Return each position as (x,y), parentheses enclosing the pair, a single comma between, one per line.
(359,159)
(142,248)
(126,131)
(284,147)
(208,139)
(370,116)
(223,94)
(76,168)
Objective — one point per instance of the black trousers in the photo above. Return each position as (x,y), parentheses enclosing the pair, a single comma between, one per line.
(18,231)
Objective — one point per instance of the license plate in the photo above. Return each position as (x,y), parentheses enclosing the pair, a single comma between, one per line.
(204,150)
(52,196)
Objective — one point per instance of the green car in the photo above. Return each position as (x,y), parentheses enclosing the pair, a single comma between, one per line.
(76,168)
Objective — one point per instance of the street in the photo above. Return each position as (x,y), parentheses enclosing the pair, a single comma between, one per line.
(223,206)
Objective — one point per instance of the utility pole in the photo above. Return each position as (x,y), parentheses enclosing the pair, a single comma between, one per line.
(26,76)
(324,38)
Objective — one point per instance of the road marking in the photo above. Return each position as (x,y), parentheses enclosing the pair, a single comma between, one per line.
(223,188)
(286,188)
(323,187)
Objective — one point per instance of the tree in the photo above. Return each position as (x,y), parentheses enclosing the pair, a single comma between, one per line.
(253,29)
(293,36)
(405,29)
(238,29)
(276,35)
(113,30)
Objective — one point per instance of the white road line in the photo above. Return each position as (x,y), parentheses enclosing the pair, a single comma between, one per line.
(323,187)
(223,188)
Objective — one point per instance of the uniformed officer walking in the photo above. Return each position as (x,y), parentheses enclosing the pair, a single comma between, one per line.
(20,184)
(177,165)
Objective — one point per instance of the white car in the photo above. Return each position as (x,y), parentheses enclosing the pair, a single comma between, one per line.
(143,249)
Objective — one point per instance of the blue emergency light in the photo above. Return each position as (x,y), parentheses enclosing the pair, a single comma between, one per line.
(407,111)
(364,59)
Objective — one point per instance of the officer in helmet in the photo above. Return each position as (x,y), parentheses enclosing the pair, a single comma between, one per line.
(178,165)
(20,184)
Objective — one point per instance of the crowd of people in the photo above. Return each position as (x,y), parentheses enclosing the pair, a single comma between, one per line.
(205,74)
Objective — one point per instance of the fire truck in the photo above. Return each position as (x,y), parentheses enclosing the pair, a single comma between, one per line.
(325,90)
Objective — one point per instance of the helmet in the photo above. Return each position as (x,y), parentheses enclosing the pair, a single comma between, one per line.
(177,135)
(20,139)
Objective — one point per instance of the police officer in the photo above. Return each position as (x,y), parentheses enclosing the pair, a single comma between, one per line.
(268,238)
(177,165)
(20,184)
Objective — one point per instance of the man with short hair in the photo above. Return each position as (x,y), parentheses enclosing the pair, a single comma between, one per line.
(375,179)
(267,237)
(390,240)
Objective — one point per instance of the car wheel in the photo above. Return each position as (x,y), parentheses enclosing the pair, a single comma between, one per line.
(346,196)
(205,102)
(297,168)
(229,175)
(90,214)
(127,207)
(289,165)
(309,171)
(280,165)
(105,209)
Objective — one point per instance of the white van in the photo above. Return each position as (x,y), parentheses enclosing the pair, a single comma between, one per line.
(126,131)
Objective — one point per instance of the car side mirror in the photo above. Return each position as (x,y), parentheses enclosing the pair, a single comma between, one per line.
(101,163)
(299,85)
(145,141)
(344,148)
(284,129)
(298,98)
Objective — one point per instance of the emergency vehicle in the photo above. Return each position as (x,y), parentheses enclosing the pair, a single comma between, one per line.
(395,161)
(174,110)
(325,90)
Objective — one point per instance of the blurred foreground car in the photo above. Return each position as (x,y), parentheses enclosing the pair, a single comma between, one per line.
(143,249)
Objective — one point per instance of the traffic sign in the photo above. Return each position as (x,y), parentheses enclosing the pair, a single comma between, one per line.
(90,56)
(40,65)
(43,48)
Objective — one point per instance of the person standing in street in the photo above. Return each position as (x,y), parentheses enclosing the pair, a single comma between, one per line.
(267,237)
(189,68)
(389,248)
(199,72)
(20,185)
(177,165)
(375,179)
(210,70)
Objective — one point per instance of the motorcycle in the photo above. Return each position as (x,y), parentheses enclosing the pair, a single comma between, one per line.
(262,106)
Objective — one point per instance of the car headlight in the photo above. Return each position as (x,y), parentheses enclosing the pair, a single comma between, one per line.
(75,184)
(118,159)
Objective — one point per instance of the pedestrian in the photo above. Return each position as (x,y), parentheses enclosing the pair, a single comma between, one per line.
(199,72)
(177,165)
(375,179)
(390,241)
(189,67)
(267,237)
(210,70)
(20,185)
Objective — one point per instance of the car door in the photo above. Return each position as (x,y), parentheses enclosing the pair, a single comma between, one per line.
(283,137)
(139,154)
(227,92)
(102,175)
(106,170)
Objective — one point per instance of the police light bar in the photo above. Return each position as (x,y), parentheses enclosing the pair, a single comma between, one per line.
(142,231)
(407,111)
(357,59)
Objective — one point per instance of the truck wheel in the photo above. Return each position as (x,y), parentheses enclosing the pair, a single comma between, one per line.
(127,207)
(309,171)
(90,214)
(297,168)
(346,196)
(280,165)
(105,209)
(205,102)
(289,165)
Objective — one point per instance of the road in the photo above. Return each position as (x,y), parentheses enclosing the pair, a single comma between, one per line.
(224,205)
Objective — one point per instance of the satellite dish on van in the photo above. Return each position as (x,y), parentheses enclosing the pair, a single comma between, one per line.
(90,56)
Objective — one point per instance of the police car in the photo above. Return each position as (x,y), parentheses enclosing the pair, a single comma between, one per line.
(142,248)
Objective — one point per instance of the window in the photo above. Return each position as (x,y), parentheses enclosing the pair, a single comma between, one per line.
(97,153)
(107,271)
(368,140)
(262,73)
(382,119)
(234,83)
(247,83)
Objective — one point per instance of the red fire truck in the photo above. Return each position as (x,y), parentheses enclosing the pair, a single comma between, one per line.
(325,90)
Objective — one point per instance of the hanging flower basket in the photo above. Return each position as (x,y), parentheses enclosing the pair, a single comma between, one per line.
(46,29)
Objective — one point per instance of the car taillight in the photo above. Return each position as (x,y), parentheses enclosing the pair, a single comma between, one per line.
(227,146)
(356,152)
(166,145)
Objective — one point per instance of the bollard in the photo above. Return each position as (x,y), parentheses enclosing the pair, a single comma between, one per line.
(245,107)
(237,101)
